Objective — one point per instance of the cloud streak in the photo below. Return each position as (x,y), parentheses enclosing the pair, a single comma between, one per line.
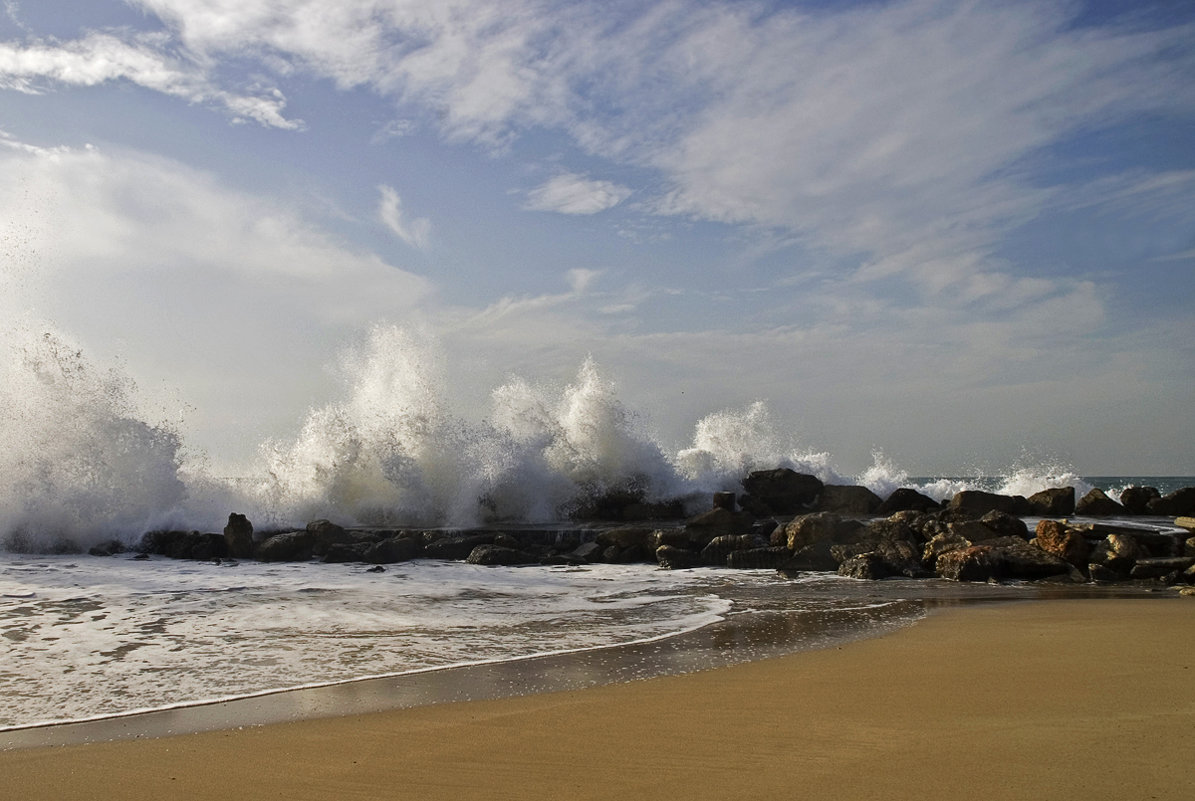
(570,193)
(414,232)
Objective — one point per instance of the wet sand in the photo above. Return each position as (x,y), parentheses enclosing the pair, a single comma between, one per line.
(1084,699)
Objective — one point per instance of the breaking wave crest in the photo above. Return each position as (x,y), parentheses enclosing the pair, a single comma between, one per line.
(81,465)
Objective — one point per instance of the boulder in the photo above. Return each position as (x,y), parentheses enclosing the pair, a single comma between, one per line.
(811,528)
(815,556)
(1020,560)
(974,531)
(1097,504)
(770,558)
(667,536)
(673,558)
(865,566)
(940,544)
(1162,568)
(716,523)
(325,533)
(973,563)
(719,548)
(455,548)
(1054,502)
(347,552)
(1179,502)
(724,500)
(184,545)
(238,536)
(1136,499)
(586,552)
(905,499)
(624,537)
(977,503)
(289,546)
(781,491)
(494,555)
(391,551)
(848,500)
(1005,525)
(1061,540)
(107,548)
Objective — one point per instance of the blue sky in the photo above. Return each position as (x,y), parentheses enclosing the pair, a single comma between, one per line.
(963,233)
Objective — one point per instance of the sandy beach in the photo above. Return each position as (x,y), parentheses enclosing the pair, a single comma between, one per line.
(1084,699)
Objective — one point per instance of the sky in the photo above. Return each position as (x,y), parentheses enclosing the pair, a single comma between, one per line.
(959,232)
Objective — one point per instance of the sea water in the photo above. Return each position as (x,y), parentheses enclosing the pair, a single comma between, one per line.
(84,636)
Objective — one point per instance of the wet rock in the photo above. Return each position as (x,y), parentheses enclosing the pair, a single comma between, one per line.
(289,546)
(811,528)
(816,556)
(977,503)
(667,536)
(905,499)
(325,533)
(865,566)
(455,548)
(719,548)
(587,552)
(940,544)
(184,545)
(1061,540)
(779,492)
(1054,502)
(724,500)
(673,558)
(391,551)
(848,500)
(347,552)
(1103,574)
(1006,525)
(1097,504)
(717,523)
(1153,567)
(1020,560)
(624,537)
(1136,499)
(494,555)
(974,531)
(107,548)
(771,558)
(1179,502)
(238,536)
(973,563)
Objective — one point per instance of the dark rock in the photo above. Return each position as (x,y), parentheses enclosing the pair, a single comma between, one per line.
(977,502)
(1054,502)
(349,552)
(184,545)
(724,500)
(1020,560)
(107,548)
(770,558)
(1005,525)
(865,566)
(905,499)
(1136,499)
(1062,540)
(781,491)
(1161,568)
(1189,547)
(455,548)
(624,537)
(493,555)
(941,544)
(974,531)
(719,548)
(973,563)
(1102,574)
(1097,504)
(716,523)
(848,500)
(391,551)
(667,536)
(289,546)
(673,558)
(1179,502)
(586,551)
(815,556)
(808,529)
(325,533)
(376,569)
(238,536)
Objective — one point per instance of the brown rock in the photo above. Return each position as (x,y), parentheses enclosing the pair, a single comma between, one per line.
(1055,502)
(1097,504)
(978,503)
(905,499)
(848,500)
(1062,540)
(975,563)
(1179,502)
(1136,499)
(808,529)
(238,536)
(781,491)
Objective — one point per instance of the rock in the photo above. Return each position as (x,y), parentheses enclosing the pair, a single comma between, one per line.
(107,548)
(184,545)
(325,533)
(667,536)
(1189,547)
(1179,502)
(974,563)
(1185,522)
(808,529)
(977,502)
(1187,592)
(975,531)
(848,500)
(391,551)
(719,548)
(1062,540)
(624,537)
(1136,499)
(673,558)
(289,546)
(1020,560)
(494,555)
(724,500)
(1054,502)
(586,551)
(1102,574)
(455,548)
(1161,567)
(816,556)
(941,544)
(771,558)
(1097,504)
(905,499)
(1005,525)
(781,491)
(238,536)
(348,552)
(865,566)
(716,523)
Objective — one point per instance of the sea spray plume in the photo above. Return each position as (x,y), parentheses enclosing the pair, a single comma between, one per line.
(729,444)
(883,477)
(77,465)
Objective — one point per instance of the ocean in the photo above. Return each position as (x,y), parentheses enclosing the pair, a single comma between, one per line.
(87,637)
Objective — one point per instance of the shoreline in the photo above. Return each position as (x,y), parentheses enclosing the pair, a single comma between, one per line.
(1085,698)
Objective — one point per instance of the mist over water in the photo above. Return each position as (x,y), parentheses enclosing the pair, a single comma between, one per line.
(80,464)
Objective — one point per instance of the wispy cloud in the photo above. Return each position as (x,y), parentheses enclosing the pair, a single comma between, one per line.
(569,193)
(414,232)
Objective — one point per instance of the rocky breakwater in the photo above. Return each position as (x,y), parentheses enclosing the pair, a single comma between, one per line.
(782,520)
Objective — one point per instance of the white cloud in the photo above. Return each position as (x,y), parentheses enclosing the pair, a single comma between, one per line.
(414,232)
(569,193)
(101,57)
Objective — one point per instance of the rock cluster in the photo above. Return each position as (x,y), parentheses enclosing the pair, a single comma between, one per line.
(786,521)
